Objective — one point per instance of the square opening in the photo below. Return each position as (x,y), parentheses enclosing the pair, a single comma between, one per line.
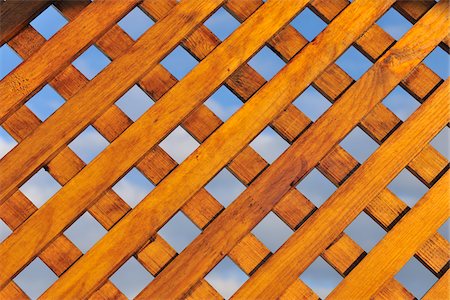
(91,62)
(359,144)
(45,102)
(179,62)
(40,187)
(438,61)
(354,63)
(179,144)
(49,22)
(312,103)
(134,103)
(179,232)
(441,142)
(266,63)
(407,187)
(272,232)
(133,187)
(5,231)
(394,23)
(135,23)
(226,277)
(131,278)
(88,144)
(7,142)
(222,24)
(401,103)
(269,144)
(365,232)
(225,187)
(35,279)
(321,277)
(416,278)
(308,24)
(223,103)
(316,187)
(85,232)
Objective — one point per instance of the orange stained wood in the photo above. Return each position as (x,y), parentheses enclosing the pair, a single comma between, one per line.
(399,245)
(100,93)
(173,106)
(225,144)
(164,200)
(59,52)
(319,231)
(252,205)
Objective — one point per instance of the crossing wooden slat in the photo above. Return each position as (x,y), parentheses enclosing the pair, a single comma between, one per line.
(103,90)
(56,54)
(251,25)
(326,224)
(249,204)
(15,15)
(398,246)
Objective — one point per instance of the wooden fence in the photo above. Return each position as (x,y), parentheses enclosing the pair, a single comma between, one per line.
(225,231)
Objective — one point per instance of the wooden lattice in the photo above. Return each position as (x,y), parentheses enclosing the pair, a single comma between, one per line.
(226,231)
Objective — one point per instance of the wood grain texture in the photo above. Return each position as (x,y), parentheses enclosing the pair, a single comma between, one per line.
(398,246)
(345,204)
(24,81)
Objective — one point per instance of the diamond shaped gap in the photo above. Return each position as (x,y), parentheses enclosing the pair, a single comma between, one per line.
(316,187)
(321,277)
(91,62)
(354,63)
(416,278)
(407,187)
(308,24)
(9,59)
(222,24)
(134,103)
(272,231)
(365,232)
(133,187)
(223,103)
(49,22)
(401,103)
(179,232)
(179,144)
(266,63)
(312,103)
(5,231)
(40,187)
(359,144)
(438,61)
(441,142)
(135,23)
(7,142)
(35,278)
(269,144)
(225,187)
(85,232)
(226,277)
(88,144)
(131,278)
(45,102)
(394,23)
(179,62)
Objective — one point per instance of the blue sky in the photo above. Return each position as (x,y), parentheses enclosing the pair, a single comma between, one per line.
(226,277)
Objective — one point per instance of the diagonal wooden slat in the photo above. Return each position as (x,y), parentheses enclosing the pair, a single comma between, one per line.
(154,114)
(345,204)
(56,54)
(440,290)
(398,246)
(303,155)
(173,195)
